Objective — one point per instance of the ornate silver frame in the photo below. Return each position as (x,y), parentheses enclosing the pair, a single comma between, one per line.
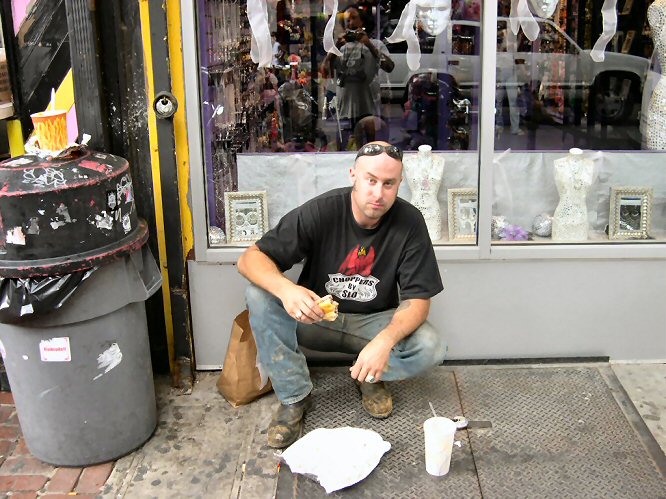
(638,196)
(245,216)
(455,196)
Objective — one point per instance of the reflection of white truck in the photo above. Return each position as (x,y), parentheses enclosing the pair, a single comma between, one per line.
(552,61)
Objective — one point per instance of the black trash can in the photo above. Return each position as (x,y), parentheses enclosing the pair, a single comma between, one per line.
(81,374)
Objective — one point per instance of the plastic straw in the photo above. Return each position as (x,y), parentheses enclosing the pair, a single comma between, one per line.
(432,409)
(52,105)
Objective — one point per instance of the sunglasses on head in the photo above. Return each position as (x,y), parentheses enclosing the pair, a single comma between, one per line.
(376,149)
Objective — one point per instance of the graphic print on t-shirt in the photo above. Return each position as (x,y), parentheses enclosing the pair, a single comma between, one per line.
(354,280)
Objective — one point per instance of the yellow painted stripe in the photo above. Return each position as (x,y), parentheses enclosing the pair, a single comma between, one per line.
(144,14)
(179,122)
(15,137)
(65,93)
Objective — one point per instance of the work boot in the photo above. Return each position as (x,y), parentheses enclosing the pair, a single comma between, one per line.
(377,399)
(285,427)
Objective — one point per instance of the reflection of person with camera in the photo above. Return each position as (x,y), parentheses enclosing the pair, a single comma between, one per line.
(356,71)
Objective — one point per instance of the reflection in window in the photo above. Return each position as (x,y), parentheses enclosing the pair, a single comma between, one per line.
(552,96)
(311,101)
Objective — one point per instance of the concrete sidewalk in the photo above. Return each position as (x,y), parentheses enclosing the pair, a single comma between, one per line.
(203,447)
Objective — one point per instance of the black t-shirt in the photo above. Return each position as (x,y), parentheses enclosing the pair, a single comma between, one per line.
(364,269)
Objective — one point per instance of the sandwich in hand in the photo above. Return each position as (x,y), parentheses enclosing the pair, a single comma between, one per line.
(329,307)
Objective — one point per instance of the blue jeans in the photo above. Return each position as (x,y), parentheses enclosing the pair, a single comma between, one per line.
(278,336)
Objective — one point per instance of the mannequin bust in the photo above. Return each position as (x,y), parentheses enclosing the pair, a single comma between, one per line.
(655,126)
(544,8)
(424,175)
(434,15)
(573,178)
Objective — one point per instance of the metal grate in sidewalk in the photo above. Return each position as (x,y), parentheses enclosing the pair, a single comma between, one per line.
(556,432)
(401,473)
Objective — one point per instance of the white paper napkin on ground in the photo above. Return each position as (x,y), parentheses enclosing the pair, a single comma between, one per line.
(336,458)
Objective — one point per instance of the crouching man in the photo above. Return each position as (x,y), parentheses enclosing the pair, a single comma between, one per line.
(371,252)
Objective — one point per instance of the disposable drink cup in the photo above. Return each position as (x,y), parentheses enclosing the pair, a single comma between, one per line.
(51,129)
(439,433)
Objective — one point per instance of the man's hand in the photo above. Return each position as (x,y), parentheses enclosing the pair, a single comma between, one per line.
(301,304)
(365,40)
(373,360)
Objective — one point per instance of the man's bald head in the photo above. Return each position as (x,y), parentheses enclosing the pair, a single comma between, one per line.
(375,177)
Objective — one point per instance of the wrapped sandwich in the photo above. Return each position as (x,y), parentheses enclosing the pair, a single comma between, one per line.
(329,307)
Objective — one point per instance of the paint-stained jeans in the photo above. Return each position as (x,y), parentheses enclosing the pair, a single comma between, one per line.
(278,336)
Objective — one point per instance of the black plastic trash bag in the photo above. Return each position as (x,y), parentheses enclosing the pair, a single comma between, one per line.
(28,297)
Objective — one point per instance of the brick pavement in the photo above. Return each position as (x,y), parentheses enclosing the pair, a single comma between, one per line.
(24,476)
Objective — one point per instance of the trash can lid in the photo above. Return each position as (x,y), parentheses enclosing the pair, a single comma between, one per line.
(64,215)
(30,174)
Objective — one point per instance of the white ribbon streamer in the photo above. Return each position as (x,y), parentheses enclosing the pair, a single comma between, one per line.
(521,17)
(330,7)
(260,45)
(499,156)
(609,13)
(502,187)
(405,31)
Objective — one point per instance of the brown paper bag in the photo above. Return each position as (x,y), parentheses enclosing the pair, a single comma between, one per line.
(240,382)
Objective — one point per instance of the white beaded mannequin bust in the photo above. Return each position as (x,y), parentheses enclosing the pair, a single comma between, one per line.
(573,178)
(424,175)
(655,126)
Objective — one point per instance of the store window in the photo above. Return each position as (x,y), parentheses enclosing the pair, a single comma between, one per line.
(272,128)
(552,96)
(278,135)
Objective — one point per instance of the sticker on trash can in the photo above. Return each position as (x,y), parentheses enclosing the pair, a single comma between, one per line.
(108,359)
(55,350)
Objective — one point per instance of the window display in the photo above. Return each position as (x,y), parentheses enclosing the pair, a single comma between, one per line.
(574,175)
(463,212)
(296,81)
(331,82)
(656,112)
(630,212)
(424,175)
(564,96)
(246,217)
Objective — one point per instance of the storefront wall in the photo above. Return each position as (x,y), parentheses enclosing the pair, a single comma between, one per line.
(496,309)
(510,291)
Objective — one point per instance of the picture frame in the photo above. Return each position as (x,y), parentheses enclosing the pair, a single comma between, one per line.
(245,216)
(463,213)
(630,213)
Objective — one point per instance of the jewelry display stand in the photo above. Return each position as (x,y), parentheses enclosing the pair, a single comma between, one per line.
(424,175)
(655,127)
(573,178)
